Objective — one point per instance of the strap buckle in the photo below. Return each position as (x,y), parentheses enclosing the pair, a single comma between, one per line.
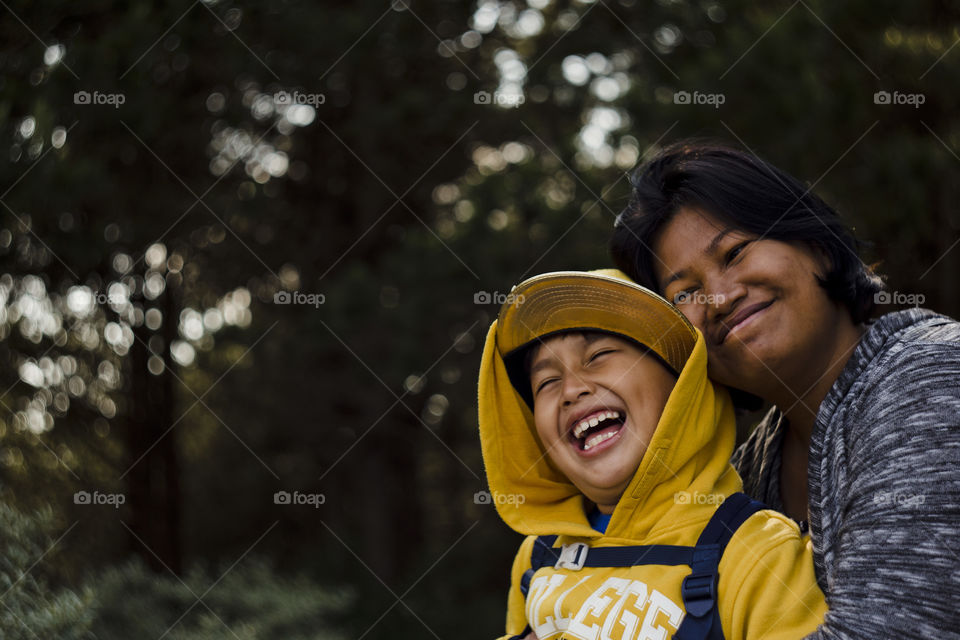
(699,592)
(572,556)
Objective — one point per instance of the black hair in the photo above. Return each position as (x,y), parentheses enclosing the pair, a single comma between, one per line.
(748,194)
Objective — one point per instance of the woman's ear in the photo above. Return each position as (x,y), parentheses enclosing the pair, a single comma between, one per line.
(822,259)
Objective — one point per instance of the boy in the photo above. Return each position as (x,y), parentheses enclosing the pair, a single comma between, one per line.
(606,444)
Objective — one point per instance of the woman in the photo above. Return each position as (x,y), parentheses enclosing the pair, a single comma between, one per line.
(863,441)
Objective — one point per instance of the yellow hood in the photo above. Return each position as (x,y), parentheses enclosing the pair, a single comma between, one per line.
(682,477)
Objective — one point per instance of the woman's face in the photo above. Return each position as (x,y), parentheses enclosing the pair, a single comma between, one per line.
(766,319)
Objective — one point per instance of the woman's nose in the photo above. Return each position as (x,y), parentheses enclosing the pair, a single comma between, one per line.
(722,297)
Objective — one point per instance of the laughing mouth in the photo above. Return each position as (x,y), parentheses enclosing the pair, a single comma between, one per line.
(729,325)
(595,428)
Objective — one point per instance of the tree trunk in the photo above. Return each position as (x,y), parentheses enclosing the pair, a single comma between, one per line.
(154,479)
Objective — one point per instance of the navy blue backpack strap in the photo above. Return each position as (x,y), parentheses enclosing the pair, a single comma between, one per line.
(699,589)
(545,554)
(539,557)
(578,556)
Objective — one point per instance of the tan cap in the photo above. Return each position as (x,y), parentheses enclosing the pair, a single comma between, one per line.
(603,300)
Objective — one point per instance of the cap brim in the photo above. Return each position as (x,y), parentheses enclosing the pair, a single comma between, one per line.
(577,300)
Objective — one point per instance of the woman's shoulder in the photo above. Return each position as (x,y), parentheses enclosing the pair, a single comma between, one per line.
(897,340)
(912,338)
(922,325)
(907,364)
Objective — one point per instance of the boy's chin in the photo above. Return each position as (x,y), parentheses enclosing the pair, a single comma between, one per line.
(606,494)
(611,474)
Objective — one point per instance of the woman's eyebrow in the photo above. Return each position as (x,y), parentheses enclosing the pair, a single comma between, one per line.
(672,278)
(712,247)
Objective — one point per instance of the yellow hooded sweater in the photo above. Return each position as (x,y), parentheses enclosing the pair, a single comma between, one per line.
(767,587)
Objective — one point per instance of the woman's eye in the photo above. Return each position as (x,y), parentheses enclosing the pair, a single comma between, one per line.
(683,297)
(736,251)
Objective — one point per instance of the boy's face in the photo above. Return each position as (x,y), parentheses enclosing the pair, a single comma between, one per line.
(597,400)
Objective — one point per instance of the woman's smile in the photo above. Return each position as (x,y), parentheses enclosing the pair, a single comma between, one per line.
(746,317)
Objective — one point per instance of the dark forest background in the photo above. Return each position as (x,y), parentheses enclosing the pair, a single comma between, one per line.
(249,252)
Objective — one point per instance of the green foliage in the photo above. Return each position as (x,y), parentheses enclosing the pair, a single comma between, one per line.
(250,601)
(31,606)
(403,199)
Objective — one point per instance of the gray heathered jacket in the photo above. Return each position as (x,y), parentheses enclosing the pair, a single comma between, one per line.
(883,482)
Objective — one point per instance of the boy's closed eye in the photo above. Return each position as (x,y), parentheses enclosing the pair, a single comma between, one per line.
(538,387)
(545,371)
(601,352)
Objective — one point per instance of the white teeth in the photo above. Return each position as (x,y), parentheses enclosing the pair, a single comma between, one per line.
(580,428)
(597,439)
(583,425)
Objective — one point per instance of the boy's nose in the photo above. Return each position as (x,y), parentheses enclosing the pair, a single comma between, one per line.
(574,388)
